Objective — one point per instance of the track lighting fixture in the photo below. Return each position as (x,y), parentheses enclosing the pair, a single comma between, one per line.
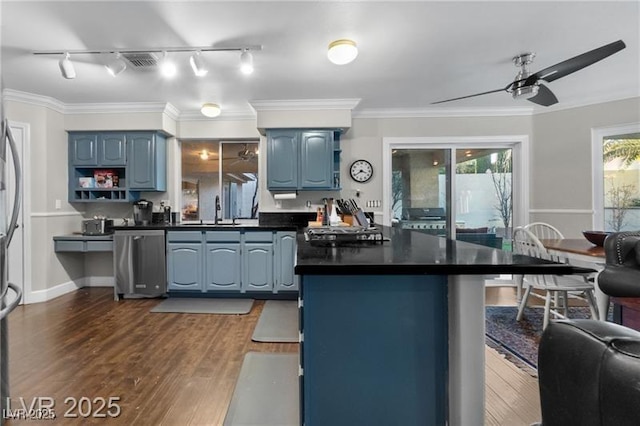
(66,67)
(197,65)
(167,67)
(116,64)
(118,60)
(342,51)
(246,62)
(210,110)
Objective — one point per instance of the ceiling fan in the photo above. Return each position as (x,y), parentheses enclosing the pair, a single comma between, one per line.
(526,83)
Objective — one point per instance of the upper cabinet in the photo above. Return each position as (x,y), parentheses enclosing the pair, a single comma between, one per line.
(303,159)
(115,166)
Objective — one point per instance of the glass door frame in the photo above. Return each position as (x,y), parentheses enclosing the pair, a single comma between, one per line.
(519,144)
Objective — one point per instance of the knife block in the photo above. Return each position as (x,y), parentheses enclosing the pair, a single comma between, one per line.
(348,219)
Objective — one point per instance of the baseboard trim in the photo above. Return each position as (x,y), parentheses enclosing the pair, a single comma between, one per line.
(39,296)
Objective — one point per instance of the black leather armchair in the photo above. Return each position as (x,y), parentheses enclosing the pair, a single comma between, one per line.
(621,274)
(589,374)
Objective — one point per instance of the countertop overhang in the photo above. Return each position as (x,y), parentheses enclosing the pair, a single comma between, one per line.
(414,253)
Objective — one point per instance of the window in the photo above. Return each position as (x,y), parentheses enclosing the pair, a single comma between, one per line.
(224,170)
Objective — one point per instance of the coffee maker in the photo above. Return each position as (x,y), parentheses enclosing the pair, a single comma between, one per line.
(142,212)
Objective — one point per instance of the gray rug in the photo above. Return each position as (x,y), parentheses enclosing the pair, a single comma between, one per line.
(267,391)
(278,322)
(204,306)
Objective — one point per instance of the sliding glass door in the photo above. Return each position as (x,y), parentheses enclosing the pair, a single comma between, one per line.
(463,191)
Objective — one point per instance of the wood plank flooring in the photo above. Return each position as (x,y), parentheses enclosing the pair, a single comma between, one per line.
(170,369)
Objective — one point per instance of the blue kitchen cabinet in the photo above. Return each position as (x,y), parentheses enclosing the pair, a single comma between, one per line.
(284,262)
(303,160)
(282,159)
(112,149)
(83,148)
(223,267)
(147,161)
(184,266)
(257,267)
(316,160)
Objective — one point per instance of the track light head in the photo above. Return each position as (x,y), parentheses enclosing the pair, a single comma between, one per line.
(66,67)
(197,64)
(115,65)
(246,62)
(167,67)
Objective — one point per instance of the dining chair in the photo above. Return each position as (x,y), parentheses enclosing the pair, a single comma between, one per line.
(555,289)
(544,231)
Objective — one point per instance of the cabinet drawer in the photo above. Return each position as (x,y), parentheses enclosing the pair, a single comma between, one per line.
(232,236)
(259,237)
(188,236)
(69,246)
(99,245)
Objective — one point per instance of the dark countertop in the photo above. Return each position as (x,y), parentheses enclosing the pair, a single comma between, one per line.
(80,237)
(207,227)
(415,253)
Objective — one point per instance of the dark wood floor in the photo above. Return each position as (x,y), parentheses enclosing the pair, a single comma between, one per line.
(172,369)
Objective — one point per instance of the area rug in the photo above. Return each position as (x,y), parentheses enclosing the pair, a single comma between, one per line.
(185,305)
(278,322)
(267,391)
(518,340)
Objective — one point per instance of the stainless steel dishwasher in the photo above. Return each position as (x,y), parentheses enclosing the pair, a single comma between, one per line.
(139,263)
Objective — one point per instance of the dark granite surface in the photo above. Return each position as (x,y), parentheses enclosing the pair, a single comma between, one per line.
(207,227)
(410,252)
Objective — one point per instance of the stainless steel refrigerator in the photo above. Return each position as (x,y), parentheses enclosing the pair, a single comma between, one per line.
(8,299)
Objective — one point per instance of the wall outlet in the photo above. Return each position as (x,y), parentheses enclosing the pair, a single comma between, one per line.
(58,204)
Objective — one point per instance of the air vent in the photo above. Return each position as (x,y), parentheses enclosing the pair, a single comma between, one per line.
(141,60)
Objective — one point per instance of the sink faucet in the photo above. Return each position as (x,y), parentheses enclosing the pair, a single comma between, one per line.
(216,219)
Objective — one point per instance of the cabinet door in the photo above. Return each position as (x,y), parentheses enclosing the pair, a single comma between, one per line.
(282,159)
(285,258)
(222,267)
(141,147)
(113,149)
(316,160)
(83,149)
(184,266)
(257,270)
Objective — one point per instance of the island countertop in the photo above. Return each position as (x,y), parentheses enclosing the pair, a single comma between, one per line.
(410,252)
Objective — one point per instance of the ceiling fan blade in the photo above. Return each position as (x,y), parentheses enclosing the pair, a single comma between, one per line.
(576,63)
(471,96)
(545,97)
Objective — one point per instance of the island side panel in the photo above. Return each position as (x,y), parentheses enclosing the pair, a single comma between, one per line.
(375,350)
(466,350)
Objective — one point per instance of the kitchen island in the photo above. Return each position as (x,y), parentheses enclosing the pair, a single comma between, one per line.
(393,332)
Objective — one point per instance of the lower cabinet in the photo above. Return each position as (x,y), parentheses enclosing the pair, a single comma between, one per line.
(231,261)
(222,267)
(184,266)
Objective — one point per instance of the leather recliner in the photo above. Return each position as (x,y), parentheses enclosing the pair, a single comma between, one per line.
(621,274)
(589,374)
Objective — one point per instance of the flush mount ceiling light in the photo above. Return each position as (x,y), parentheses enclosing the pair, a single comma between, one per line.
(246,62)
(342,51)
(116,61)
(210,110)
(115,65)
(197,65)
(66,67)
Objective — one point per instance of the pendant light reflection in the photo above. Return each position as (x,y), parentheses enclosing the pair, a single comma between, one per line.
(115,65)
(66,67)
(342,51)
(246,62)
(204,154)
(210,110)
(197,65)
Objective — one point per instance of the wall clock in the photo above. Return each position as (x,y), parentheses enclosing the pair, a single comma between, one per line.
(361,171)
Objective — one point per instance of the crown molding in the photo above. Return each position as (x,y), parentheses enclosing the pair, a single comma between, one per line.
(195,115)
(442,112)
(561,106)
(30,98)
(303,104)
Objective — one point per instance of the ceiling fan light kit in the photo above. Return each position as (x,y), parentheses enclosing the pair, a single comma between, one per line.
(527,84)
(342,51)
(210,110)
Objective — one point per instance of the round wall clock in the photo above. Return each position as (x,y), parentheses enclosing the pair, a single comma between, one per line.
(361,171)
